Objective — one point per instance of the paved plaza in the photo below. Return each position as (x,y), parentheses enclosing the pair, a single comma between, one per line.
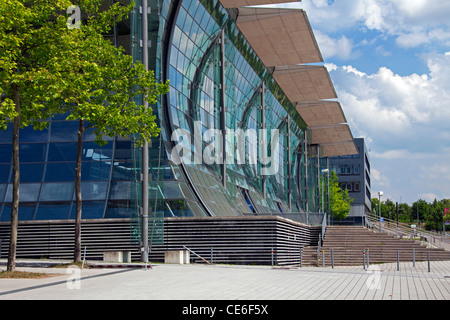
(225,282)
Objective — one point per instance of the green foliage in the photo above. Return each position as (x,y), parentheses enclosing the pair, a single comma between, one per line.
(340,201)
(47,68)
(30,40)
(59,70)
(430,215)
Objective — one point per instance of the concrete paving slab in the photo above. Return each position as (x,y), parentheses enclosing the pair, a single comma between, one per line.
(225,282)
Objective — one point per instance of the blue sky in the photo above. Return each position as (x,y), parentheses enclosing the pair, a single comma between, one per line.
(389,61)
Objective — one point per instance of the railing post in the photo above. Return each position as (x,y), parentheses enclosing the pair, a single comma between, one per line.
(364,259)
(428,257)
(414,257)
(398,260)
(84,258)
(332,259)
(272,257)
(323,258)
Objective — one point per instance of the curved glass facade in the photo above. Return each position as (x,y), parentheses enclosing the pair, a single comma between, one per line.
(216,82)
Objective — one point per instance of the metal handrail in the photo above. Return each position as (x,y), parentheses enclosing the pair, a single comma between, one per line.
(197,255)
(401,230)
(321,237)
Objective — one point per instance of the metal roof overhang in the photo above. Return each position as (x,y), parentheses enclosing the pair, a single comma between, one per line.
(242,3)
(280,37)
(305,83)
(339,149)
(321,113)
(284,41)
(335,139)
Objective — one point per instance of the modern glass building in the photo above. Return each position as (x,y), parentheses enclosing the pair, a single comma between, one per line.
(353,172)
(230,68)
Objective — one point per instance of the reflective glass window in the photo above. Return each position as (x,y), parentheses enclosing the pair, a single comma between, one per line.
(28,192)
(89,210)
(98,170)
(28,134)
(25,212)
(5,153)
(32,152)
(60,191)
(120,209)
(62,152)
(52,211)
(93,152)
(3,188)
(6,135)
(121,190)
(123,171)
(93,190)
(30,172)
(64,131)
(123,150)
(4,173)
(60,172)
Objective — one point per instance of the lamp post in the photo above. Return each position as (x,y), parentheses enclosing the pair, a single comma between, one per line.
(380,194)
(145,183)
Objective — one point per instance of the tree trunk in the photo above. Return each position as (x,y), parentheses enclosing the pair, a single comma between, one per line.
(16,180)
(77,250)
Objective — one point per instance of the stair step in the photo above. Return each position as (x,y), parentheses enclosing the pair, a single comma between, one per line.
(349,242)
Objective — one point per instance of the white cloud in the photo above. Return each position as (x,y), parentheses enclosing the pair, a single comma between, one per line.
(414,23)
(405,120)
(405,115)
(388,102)
(330,47)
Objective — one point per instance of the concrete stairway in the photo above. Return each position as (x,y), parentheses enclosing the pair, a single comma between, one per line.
(350,242)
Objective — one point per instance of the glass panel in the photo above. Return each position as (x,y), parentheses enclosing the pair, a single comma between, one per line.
(4,173)
(98,170)
(121,190)
(28,134)
(25,212)
(28,192)
(123,171)
(30,172)
(123,150)
(6,135)
(89,210)
(3,188)
(62,152)
(62,191)
(52,211)
(32,152)
(64,131)
(60,172)
(119,209)
(92,151)
(5,152)
(93,190)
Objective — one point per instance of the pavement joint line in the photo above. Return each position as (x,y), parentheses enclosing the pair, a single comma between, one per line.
(58,283)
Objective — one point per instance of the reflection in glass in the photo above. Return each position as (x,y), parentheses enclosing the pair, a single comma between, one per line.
(52,211)
(61,191)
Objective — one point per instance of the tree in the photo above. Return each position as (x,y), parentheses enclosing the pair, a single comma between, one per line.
(340,201)
(434,218)
(105,84)
(29,46)
(47,68)
(420,208)
(388,209)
